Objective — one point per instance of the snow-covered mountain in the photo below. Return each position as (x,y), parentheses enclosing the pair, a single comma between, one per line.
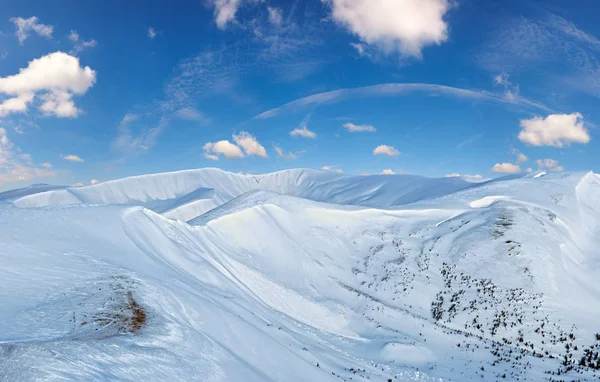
(302,275)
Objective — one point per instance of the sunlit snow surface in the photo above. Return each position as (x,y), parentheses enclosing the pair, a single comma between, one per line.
(301,275)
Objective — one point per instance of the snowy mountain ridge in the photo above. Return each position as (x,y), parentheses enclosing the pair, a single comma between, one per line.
(303,275)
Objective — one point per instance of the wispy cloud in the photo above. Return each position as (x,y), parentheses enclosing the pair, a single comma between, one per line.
(469,140)
(302,130)
(352,128)
(26,26)
(79,44)
(543,47)
(151,33)
(287,155)
(396,89)
(16,166)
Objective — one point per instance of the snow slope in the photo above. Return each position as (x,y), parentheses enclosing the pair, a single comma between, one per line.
(302,276)
(186,194)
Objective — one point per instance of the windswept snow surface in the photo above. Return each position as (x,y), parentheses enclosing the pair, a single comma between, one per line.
(303,276)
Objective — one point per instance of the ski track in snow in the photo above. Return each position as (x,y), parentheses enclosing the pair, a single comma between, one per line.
(301,275)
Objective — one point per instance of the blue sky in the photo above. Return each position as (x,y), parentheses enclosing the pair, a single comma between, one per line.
(92,91)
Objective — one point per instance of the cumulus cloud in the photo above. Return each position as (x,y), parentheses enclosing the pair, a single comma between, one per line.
(151,33)
(56,78)
(556,130)
(94,181)
(78,43)
(385,150)
(72,158)
(224,147)
(506,168)
(275,16)
(452,175)
(250,144)
(549,164)
(405,27)
(351,127)
(243,140)
(26,26)
(77,185)
(388,171)
(46,165)
(225,11)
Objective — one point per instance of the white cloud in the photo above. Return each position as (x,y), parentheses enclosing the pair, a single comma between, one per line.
(405,26)
(388,172)
(243,140)
(332,168)
(57,76)
(17,168)
(556,130)
(543,44)
(94,181)
(72,158)
(466,176)
(211,156)
(77,185)
(151,33)
(275,16)
(283,154)
(26,26)
(191,114)
(78,44)
(224,147)
(360,48)
(225,11)
(250,144)
(546,163)
(396,89)
(26,158)
(549,164)
(529,169)
(385,150)
(359,128)
(506,168)
(303,132)
(46,165)
(521,158)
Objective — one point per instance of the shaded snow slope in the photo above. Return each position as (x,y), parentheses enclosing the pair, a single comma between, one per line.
(493,282)
(29,190)
(184,195)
